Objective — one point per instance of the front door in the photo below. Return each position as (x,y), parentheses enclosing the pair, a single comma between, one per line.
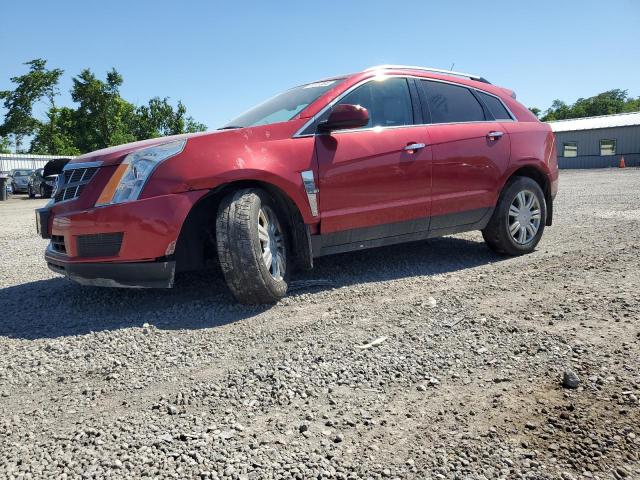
(375,181)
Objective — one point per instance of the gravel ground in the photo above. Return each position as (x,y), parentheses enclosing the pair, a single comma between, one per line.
(432,360)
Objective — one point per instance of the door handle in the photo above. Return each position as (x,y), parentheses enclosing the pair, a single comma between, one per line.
(494,135)
(412,147)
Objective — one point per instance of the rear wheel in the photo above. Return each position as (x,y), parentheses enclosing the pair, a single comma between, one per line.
(518,221)
(252,247)
(31,192)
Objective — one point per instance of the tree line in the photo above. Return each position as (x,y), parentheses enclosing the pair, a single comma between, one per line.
(605,103)
(100,118)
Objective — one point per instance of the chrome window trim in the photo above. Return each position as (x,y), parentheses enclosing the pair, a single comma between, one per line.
(329,105)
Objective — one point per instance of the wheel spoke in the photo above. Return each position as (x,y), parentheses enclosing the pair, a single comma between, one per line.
(267,258)
(514,211)
(521,200)
(532,231)
(535,214)
(532,198)
(263,234)
(514,227)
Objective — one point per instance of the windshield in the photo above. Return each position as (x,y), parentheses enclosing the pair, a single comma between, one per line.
(21,173)
(284,106)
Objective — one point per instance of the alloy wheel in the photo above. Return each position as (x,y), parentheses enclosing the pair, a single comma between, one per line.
(524,217)
(271,243)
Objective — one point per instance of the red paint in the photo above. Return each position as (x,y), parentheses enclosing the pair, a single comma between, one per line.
(365,178)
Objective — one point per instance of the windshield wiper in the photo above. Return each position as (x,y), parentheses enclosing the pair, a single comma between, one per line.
(229,127)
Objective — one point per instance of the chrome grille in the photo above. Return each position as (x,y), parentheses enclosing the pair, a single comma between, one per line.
(73,182)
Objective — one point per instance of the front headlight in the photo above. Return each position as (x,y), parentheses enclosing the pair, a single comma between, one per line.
(131,175)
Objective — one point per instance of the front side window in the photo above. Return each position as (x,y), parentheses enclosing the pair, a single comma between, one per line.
(607,148)
(283,107)
(570,149)
(495,106)
(451,103)
(387,100)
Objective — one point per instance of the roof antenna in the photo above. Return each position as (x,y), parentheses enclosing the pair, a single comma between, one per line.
(452,65)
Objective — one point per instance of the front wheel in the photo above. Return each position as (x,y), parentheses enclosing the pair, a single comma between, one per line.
(30,192)
(518,221)
(252,247)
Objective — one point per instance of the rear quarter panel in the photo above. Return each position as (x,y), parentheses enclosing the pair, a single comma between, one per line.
(532,144)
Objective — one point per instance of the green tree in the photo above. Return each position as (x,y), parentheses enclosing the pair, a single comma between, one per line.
(57,136)
(536,111)
(605,103)
(31,87)
(159,118)
(103,117)
(4,145)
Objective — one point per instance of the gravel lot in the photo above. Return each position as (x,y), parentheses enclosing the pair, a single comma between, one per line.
(463,379)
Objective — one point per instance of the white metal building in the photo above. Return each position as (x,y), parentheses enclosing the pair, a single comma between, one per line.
(9,161)
(598,142)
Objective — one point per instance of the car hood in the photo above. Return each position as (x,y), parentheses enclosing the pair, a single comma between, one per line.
(114,155)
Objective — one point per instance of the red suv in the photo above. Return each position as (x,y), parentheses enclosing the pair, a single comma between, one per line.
(388,155)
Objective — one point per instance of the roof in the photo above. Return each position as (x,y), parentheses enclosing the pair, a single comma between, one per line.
(592,123)
(429,69)
(30,156)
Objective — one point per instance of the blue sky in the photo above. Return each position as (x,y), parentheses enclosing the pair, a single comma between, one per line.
(220,58)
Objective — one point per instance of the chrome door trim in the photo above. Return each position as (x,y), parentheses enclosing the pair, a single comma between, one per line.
(494,135)
(415,146)
(311,190)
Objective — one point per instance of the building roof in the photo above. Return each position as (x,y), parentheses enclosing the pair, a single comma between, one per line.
(592,123)
(30,156)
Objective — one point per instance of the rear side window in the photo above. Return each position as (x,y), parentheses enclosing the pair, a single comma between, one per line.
(451,103)
(495,106)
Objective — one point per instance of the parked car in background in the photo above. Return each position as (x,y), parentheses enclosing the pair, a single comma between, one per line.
(19,179)
(388,155)
(40,185)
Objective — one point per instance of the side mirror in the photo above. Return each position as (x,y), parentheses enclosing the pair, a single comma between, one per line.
(345,116)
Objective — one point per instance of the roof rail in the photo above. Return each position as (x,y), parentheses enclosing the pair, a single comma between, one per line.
(429,69)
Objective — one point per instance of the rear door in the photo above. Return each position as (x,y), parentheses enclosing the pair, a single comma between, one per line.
(371,184)
(470,153)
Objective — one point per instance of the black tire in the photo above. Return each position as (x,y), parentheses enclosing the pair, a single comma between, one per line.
(497,235)
(30,192)
(45,192)
(240,248)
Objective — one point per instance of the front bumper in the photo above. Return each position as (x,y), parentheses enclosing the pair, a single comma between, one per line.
(157,274)
(123,245)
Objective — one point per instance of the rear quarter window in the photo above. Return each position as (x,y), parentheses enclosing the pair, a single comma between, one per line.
(495,106)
